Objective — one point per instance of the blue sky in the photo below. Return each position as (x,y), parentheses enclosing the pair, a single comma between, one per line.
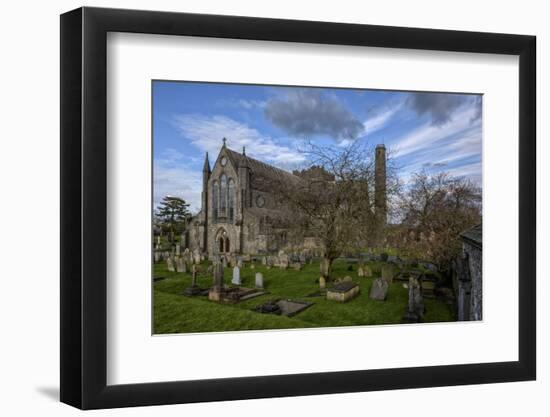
(433,132)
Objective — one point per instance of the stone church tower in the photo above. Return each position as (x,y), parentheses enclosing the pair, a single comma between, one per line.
(239,214)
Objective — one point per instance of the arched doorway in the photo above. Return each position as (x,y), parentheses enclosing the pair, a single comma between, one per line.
(222,240)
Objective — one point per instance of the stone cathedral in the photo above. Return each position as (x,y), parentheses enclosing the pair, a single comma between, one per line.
(239,214)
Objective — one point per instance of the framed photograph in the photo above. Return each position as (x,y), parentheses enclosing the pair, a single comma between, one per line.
(258,208)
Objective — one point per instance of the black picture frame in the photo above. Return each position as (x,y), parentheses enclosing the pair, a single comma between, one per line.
(84,207)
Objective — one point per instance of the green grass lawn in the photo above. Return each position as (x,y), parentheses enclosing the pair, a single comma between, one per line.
(176,313)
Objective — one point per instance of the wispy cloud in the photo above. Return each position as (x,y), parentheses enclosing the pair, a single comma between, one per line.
(381,119)
(206,133)
(174,178)
(426,136)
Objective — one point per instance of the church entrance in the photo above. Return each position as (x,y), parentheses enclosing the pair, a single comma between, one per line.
(223,242)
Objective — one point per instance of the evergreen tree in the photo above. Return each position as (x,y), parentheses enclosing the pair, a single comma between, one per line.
(173,214)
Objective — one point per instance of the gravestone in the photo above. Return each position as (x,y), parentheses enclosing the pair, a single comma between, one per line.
(387,273)
(379,289)
(224,262)
(259,280)
(157,256)
(158,240)
(252,266)
(347,278)
(170,264)
(178,249)
(218,275)
(360,271)
(415,306)
(240,263)
(367,271)
(236,276)
(194,289)
(196,257)
(322,282)
(324,267)
(181,266)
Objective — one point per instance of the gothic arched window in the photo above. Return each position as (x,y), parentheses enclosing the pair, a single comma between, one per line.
(215,199)
(231,199)
(223,196)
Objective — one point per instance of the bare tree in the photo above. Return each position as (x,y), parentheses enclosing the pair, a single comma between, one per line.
(435,209)
(332,199)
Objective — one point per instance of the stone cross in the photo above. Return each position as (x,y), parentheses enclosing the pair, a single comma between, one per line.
(236,276)
(259,280)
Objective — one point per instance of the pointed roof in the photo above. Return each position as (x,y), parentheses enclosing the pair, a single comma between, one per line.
(206,167)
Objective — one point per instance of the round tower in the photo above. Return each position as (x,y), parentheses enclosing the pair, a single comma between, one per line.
(380,204)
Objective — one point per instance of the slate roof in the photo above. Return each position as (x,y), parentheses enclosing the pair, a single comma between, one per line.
(261,172)
(473,236)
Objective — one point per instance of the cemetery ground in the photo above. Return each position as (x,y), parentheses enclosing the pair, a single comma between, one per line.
(177,313)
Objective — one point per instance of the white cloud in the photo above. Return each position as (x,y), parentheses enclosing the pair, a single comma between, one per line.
(428,135)
(207,132)
(380,120)
(172,177)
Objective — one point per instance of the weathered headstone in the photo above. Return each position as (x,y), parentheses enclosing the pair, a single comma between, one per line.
(252,266)
(178,249)
(379,289)
(259,280)
(218,275)
(387,273)
(157,256)
(236,276)
(194,289)
(322,282)
(415,306)
(170,264)
(224,262)
(324,267)
(347,278)
(240,263)
(367,271)
(360,271)
(196,256)
(181,265)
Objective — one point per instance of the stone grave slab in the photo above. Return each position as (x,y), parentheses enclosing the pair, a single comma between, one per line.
(343,292)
